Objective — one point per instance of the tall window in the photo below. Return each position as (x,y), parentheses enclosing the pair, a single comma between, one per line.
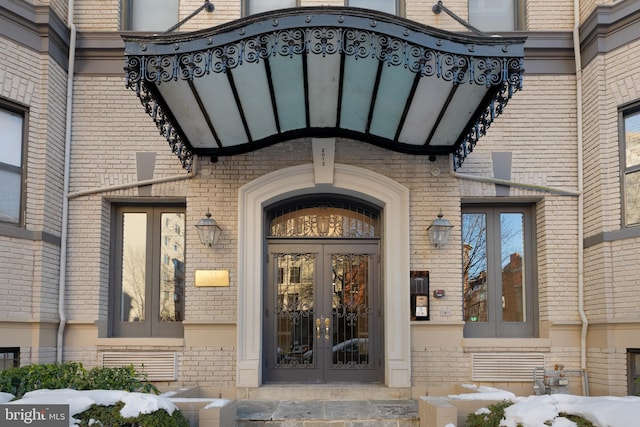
(257,6)
(497,15)
(498,271)
(631,165)
(11,163)
(389,6)
(149,15)
(148,289)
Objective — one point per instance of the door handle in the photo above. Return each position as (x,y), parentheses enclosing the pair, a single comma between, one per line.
(318,328)
(326,328)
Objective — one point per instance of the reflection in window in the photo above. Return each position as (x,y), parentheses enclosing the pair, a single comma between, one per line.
(150,261)
(631,138)
(11,142)
(511,239)
(134,252)
(474,228)
(172,289)
(497,288)
(497,15)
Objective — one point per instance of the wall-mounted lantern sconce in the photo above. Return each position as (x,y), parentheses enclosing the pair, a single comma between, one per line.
(208,230)
(439,231)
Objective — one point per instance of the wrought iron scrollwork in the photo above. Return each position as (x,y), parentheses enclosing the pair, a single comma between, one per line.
(483,62)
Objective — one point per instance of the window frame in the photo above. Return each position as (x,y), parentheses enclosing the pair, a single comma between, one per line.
(519,18)
(633,371)
(14,359)
(22,111)
(495,327)
(398,6)
(152,326)
(623,112)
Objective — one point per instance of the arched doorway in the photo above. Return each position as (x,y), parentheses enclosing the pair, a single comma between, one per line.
(322,294)
(347,180)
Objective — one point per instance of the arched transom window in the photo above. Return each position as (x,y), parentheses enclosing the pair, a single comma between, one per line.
(323,217)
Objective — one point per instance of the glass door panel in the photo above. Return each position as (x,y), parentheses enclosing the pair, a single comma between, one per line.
(294,287)
(350,310)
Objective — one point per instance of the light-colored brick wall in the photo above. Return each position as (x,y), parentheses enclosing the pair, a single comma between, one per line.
(542,15)
(610,272)
(17,276)
(110,126)
(607,371)
(217,364)
(31,267)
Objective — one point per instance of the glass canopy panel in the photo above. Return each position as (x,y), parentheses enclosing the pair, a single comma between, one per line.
(323,80)
(458,113)
(393,91)
(182,102)
(430,96)
(359,80)
(217,98)
(288,86)
(253,91)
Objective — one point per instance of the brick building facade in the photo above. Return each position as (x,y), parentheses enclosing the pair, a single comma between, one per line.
(561,158)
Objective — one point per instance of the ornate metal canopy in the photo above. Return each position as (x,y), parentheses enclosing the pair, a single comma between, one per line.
(323,71)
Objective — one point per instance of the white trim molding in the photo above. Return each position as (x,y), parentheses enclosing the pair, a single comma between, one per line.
(391,196)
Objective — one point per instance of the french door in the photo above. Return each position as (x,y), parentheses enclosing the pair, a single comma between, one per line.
(322,312)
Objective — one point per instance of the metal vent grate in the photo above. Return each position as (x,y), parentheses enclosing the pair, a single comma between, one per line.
(157,366)
(505,367)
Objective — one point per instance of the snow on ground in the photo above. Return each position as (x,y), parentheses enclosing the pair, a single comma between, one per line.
(81,400)
(531,411)
(535,411)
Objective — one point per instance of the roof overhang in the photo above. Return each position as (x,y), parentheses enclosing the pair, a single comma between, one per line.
(323,72)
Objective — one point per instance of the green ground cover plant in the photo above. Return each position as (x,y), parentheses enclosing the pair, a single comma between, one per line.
(496,414)
(19,381)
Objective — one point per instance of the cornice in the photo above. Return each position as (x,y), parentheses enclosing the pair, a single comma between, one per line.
(608,28)
(35,27)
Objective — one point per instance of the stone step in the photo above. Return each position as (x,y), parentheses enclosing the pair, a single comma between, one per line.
(334,391)
(333,413)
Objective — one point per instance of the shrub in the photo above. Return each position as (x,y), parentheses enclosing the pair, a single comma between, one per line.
(110,416)
(125,378)
(19,381)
